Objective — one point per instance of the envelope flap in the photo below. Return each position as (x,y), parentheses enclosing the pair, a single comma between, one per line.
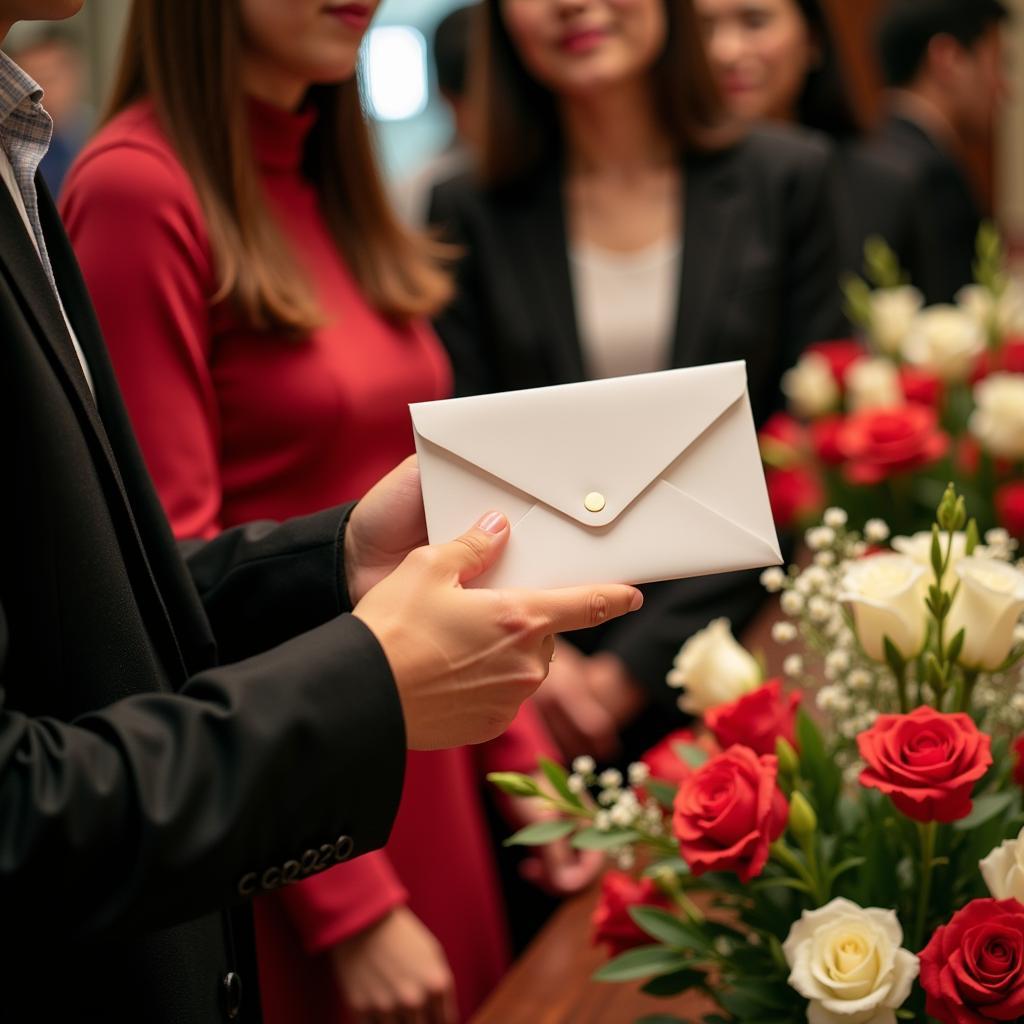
(610,438)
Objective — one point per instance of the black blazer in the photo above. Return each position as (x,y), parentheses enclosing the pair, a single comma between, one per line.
(173,737)
(759,282)
(946,211)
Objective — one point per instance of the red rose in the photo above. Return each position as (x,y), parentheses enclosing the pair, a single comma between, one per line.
(882,442)
(1010,507)
(972,970)
(1009,359)
(796,495)
(920,386)
(757,719)
(782,440)
(663,761)
(729,812)
(1018,765)
(927,762)
(611,923)
(823,439)
(841,355)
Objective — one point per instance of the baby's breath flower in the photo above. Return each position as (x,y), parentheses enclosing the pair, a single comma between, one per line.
(608,797)
(784,632)
(603,821)
(610,778)
(625,860)
(623,814)
(584,765)
(792,603)
(837,661)
(859,549)
(859,679)
(576,783)
(639,773)
(834,517)
(825,558)
(819,609)
(772,579)
(820,537)
(876,531)
(793,666)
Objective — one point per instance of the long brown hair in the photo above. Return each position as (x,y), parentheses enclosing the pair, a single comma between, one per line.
(519,116)
(186,57)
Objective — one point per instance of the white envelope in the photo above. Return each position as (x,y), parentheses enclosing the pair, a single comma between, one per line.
(668,464)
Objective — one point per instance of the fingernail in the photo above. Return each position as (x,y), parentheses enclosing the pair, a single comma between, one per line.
(493,522)
(637,602)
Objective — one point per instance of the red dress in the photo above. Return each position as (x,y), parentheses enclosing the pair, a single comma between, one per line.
(236,426)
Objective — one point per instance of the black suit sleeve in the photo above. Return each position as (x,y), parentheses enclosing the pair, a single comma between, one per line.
(161,807)
(265,582)
(463,323)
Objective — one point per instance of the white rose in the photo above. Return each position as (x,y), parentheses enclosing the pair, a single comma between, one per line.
(849,962)
(714,669)
(892,314)
(810,387)
(1003,870)
(873,384)
(919,547)
(944,340)
(998,419)
(886,593)
(1006,314)
(987,608)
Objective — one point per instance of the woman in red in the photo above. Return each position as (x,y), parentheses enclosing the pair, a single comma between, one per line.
(265,313)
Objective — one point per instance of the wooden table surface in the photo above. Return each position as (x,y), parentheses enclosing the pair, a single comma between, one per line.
(551,983)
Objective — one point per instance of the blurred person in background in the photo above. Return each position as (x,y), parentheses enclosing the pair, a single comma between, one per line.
(53,56)
(451,64)
(266,315)
(777,60)
(943,63)
(619,224)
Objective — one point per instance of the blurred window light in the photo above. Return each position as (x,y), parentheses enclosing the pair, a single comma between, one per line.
(396,72)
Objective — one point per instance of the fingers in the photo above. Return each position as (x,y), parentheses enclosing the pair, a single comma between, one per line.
(476,550)
(583,607)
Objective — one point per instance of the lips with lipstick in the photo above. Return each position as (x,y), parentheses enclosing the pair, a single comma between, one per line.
(581,40)
(356,16)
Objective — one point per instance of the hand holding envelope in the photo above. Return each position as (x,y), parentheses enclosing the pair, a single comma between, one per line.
(627,480)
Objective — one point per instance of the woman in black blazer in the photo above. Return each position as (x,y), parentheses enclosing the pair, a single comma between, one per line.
(620,224)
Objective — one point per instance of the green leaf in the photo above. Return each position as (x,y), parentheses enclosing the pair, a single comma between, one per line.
(514,784)
(668,928)
(691,755)
(938,562)
(559,779)
(843,866)
(985,809)
(594,839)
(672,984)
(540,833)
(764,884)
(676,865)
(895,660)
(644,962)
(972,536)
(956,645)
(662,791)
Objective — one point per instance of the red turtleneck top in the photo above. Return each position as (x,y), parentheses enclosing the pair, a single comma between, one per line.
(237,425)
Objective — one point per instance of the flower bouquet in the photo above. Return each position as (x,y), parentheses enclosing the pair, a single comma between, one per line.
(878,424)
(857,861)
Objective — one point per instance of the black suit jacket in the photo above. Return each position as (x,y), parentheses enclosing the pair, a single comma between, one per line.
(759,282)
(946,211)
(173,736)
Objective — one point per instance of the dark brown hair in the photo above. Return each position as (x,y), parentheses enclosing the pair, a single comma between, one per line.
(186,56)
(520,125)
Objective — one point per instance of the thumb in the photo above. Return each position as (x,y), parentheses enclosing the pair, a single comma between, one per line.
(473,553)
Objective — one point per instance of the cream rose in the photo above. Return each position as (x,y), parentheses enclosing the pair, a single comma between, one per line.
(987,608)
(873,384)
(810,387)
(944,340)
(919,547)
(892,313)
(1006,313)
(713,669)
(998,419)
(849,962)
(886,593)
(1003,870)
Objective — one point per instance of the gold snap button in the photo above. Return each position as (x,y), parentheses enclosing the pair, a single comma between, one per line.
(594,501)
